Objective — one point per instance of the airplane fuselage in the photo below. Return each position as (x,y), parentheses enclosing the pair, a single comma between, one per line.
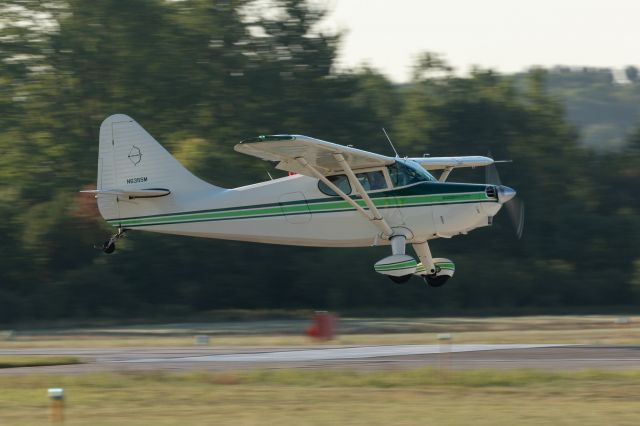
(340,197)
(293,211)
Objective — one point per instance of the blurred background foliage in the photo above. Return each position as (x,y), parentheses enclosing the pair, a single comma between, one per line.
(201,75)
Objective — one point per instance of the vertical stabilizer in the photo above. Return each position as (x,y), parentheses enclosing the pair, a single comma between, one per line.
(130,159)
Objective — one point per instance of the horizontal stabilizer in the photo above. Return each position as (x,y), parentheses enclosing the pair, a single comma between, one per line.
(132,193)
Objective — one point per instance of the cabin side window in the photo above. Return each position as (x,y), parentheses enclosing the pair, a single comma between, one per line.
(341,181)
(372,181)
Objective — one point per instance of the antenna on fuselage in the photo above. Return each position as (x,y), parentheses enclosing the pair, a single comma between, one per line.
(390,143)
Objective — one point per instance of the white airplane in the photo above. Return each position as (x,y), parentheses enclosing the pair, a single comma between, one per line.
(336,196)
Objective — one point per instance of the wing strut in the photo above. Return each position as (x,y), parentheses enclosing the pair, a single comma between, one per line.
(445,174)
(375,217)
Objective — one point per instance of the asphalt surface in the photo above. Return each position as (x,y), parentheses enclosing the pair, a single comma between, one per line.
(342,357)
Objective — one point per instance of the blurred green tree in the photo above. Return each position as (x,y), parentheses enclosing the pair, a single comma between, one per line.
(201,75)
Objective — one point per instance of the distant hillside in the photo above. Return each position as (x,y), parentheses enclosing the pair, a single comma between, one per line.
(604,104)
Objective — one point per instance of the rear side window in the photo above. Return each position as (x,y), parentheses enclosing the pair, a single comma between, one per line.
(341,181)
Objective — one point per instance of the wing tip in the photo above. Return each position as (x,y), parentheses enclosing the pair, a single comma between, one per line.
(268,138)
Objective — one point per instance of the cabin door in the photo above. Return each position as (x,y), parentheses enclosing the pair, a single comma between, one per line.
(294,207)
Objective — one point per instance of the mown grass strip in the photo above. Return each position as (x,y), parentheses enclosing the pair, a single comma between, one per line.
(36,361)
(427,377)
(313,398)
(410,378)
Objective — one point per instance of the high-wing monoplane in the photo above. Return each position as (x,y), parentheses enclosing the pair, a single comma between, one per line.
(335,196)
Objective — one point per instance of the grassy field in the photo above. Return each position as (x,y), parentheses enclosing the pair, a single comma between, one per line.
(600,329)
(330,397)
(295,397)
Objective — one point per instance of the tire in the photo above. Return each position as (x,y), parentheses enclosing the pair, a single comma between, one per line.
(108,248)
(400,280)
(436,281)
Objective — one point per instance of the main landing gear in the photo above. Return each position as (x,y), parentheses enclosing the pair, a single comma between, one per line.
(400,267)
(109,246)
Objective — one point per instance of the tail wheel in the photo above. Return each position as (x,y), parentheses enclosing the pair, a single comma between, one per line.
(109,247)
(401,279)
(436,281)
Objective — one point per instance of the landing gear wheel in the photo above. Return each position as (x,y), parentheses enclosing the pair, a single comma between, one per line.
(400,280)
(108,247)
(436,281)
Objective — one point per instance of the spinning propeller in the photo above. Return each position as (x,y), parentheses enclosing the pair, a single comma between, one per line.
(507,196)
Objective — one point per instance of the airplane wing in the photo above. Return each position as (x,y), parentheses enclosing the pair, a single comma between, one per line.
(287,149)
(439,163)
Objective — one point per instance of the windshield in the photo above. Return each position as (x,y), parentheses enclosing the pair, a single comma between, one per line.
(407,172)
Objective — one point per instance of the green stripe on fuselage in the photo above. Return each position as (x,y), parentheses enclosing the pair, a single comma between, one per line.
(417,195)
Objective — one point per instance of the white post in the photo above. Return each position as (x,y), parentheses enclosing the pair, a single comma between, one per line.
(56,405)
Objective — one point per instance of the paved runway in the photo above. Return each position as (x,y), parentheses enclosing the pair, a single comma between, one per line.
(345,353)
(351,357)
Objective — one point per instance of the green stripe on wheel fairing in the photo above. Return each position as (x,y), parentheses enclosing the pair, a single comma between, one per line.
(396,265)
(312,206)
(448,266)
